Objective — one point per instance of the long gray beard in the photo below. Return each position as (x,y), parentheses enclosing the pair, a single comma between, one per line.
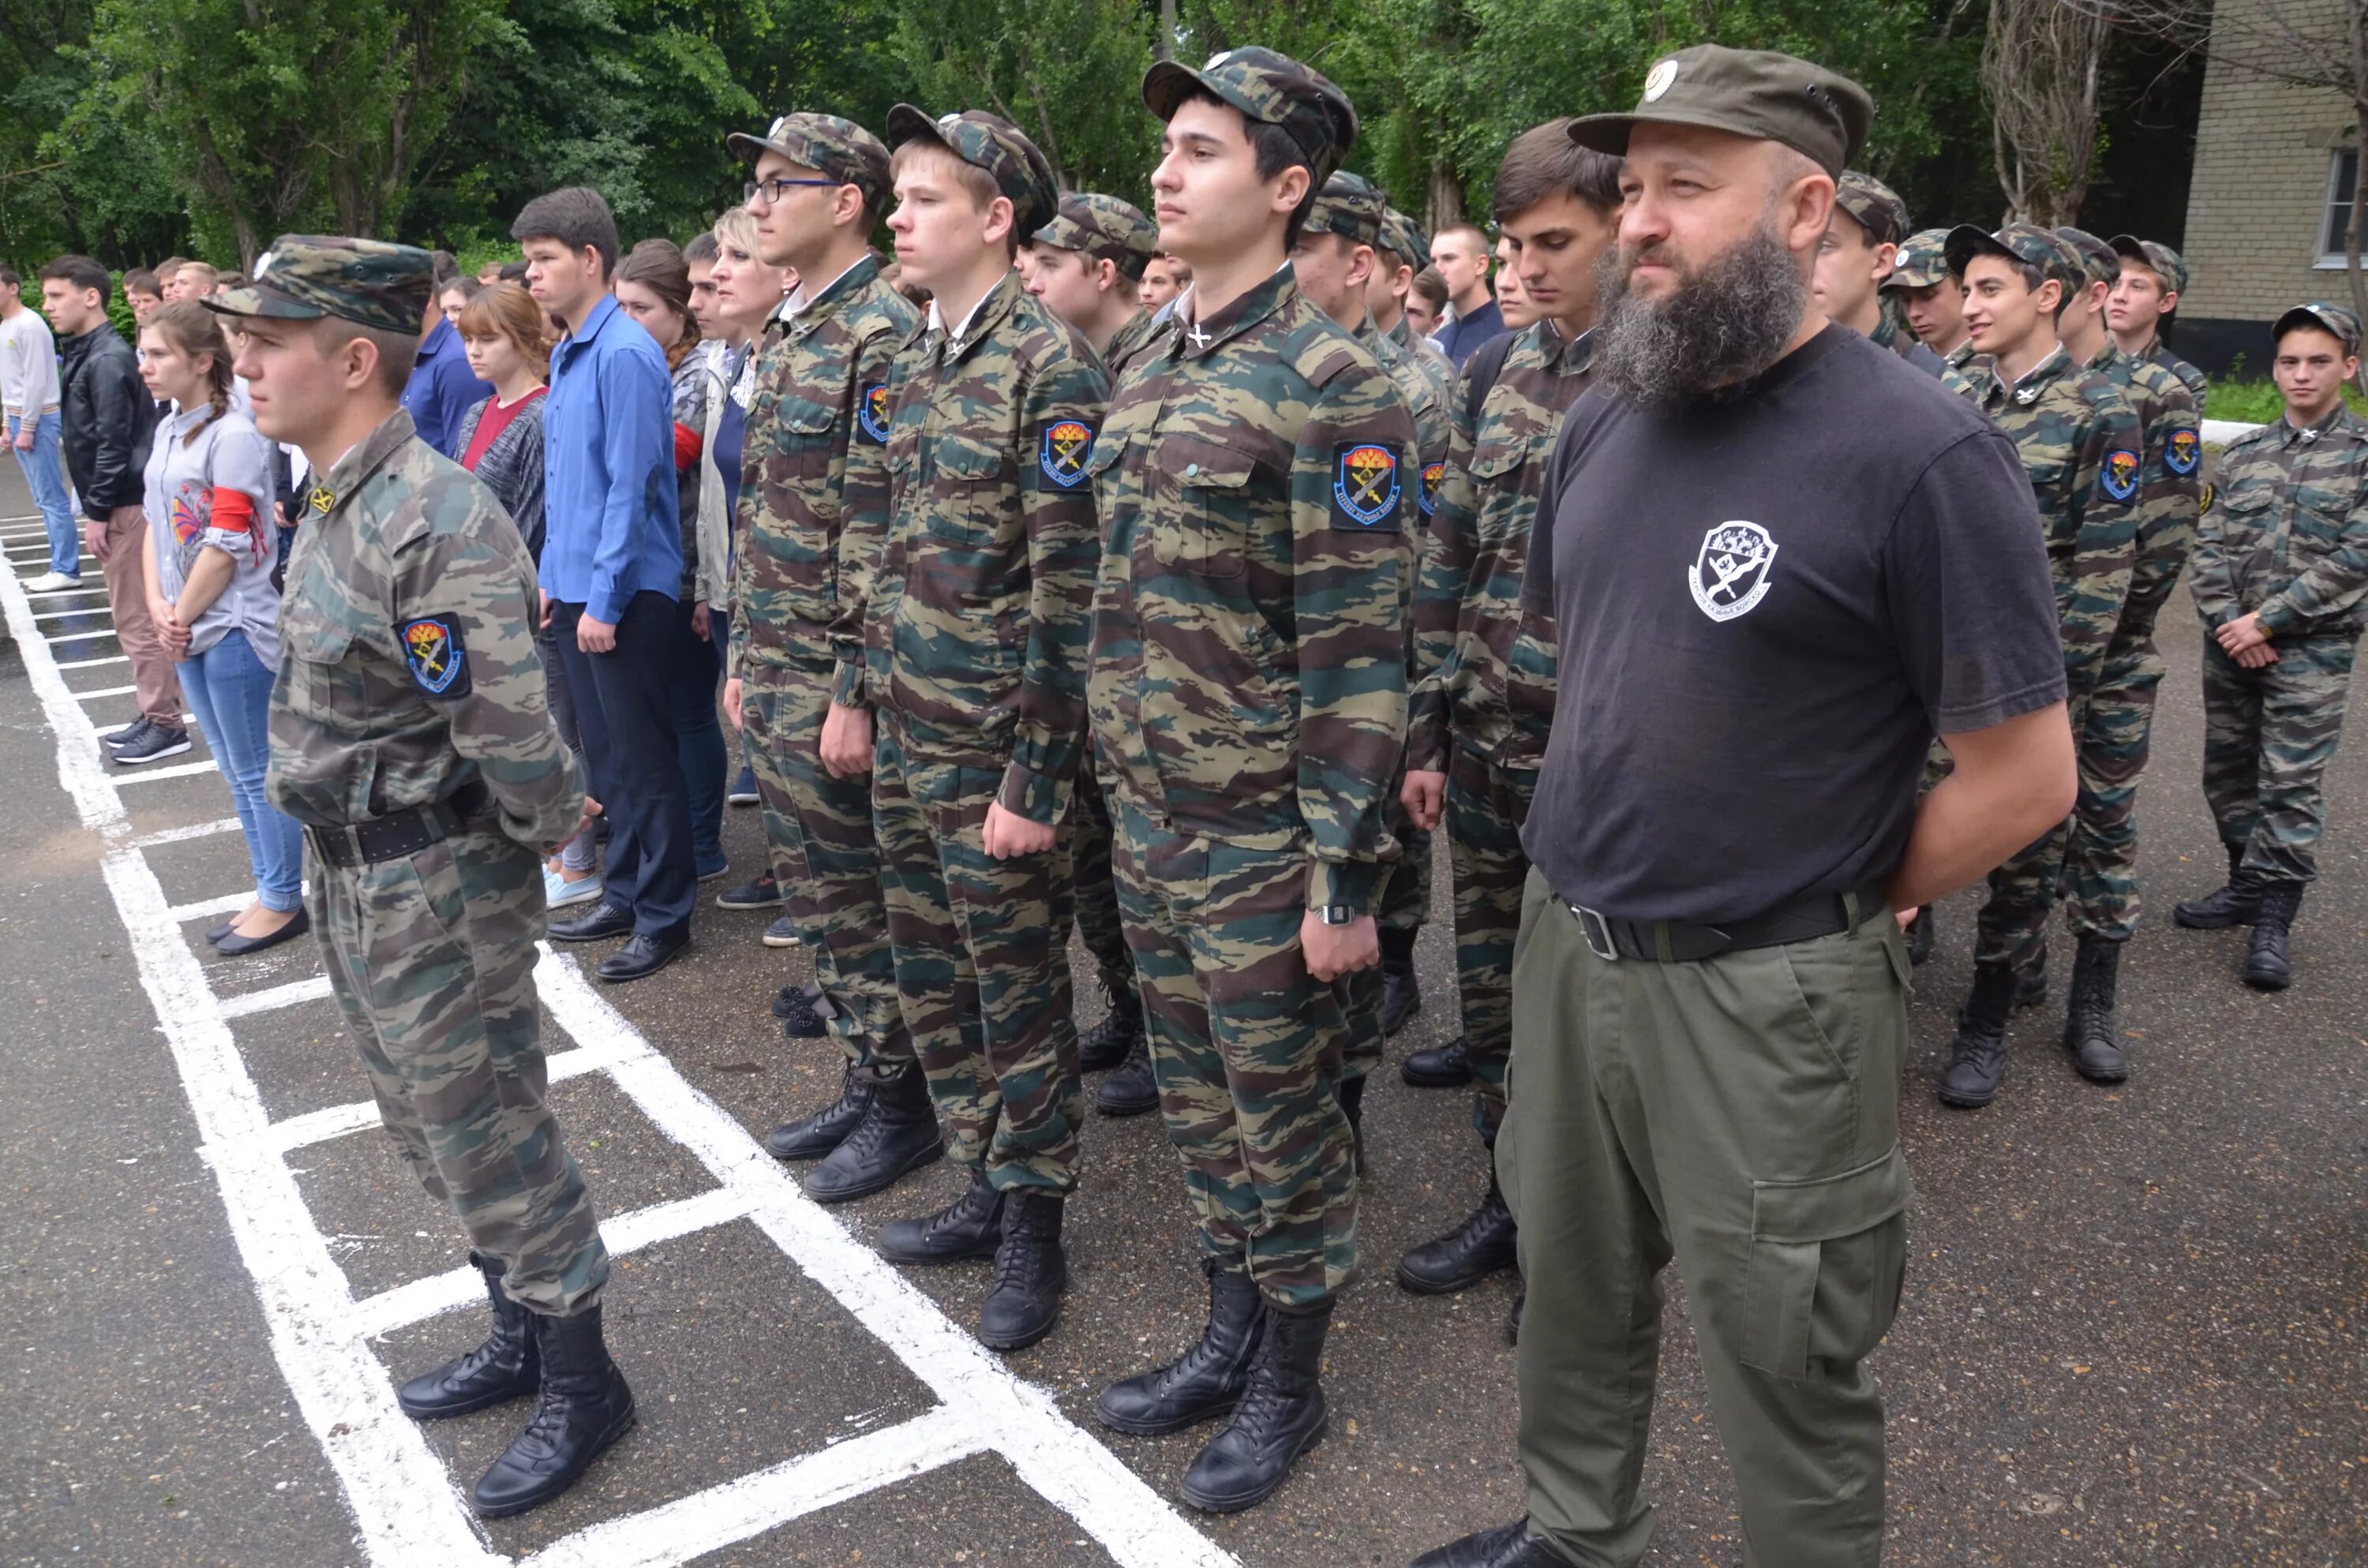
(1725,324)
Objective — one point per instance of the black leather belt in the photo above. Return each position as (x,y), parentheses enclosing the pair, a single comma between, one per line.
(1687,941)
(403,832)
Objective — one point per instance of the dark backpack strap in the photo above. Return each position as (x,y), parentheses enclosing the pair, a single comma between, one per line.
(1480,372)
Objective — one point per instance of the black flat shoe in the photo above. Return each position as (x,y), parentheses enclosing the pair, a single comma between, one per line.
(603,920)
(216,934)
(235,946)
(642,957)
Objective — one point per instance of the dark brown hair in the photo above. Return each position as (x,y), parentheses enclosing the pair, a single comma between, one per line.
(657,265)
(192,330)
(1544,162)
(1431,287)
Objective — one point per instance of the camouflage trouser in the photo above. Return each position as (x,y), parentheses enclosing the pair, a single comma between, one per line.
(1088,831)
(2268,737)
(1406,903)
(432,956)
(982,967)
(827,860)
(1485,807)
(2013,927)
(1247,1046)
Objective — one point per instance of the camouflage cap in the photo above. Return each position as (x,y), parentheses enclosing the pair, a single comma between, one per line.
(1103,226)
(837,147)
(1352,207)
(2018,242)
(2097,262)
(306,277)
(1749,92)
(1922,260)
(1874,205)
(1272,89)
(2326,317)
(991,142)
(2166,263)
(1402,239)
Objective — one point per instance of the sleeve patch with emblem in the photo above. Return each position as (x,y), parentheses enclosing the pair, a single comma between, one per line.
(2181,453)
(2211,493)
(2119,478)
(1428,498)
(1062,448)
(1365,487)
(872,413)
(432,652)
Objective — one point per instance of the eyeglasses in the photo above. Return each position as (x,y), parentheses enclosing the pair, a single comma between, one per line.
(774,190)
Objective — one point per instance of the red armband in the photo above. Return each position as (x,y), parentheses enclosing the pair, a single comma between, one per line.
(688,444)
(233,511)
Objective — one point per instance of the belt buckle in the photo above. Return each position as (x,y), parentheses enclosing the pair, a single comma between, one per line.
(1597,932)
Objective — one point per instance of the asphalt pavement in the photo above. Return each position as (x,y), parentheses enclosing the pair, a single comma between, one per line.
(2130,1332)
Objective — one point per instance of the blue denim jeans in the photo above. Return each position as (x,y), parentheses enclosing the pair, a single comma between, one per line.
(229,690)
(47,483)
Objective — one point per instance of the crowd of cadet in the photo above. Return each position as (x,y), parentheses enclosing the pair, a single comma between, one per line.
(1174,578)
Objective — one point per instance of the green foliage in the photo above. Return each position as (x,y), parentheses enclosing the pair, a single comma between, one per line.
(2257,401)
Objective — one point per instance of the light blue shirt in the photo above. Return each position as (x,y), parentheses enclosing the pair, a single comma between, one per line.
(608,456)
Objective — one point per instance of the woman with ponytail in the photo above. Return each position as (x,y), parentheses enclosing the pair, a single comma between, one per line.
(209,497)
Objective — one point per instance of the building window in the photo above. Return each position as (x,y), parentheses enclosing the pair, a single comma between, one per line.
(2342,178)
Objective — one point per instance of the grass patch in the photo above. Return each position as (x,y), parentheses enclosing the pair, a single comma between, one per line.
(2255,400)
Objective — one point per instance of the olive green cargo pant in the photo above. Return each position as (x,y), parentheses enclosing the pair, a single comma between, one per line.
(1741,1116)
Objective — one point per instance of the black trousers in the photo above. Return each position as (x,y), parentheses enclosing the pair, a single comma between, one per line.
(624,710)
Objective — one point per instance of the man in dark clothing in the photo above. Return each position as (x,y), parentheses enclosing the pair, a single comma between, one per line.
(1461,255)
(442,388)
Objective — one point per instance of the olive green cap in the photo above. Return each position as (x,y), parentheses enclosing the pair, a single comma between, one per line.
(306,277)
(1758,92)
(2166,263)
(2018,242)
(1402,239)
(1272,89)
(2326,317)
(1923,260)
(1352,207)
(838,149)
(2097,262)
(991,142)
(1103,227)
(1875,206)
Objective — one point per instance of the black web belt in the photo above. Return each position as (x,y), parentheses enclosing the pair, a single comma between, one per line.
(402,832)
(1688,941)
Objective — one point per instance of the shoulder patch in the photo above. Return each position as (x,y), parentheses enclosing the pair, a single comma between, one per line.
(2211,493)
(1064,447)
(1427,496)
(1365,486)
(2120,477)
(432,652)
(872,414)
(2183,452)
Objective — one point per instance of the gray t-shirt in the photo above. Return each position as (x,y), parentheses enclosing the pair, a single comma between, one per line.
(195,487)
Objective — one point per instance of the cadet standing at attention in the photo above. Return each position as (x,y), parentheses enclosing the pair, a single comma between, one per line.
(409,736)
(1087,265)
(1404,253)
(2282,580)
(2153,277)
(977,629)
(1931,297)
(1248,695)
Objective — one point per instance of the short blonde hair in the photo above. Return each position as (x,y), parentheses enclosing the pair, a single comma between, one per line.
(737,228)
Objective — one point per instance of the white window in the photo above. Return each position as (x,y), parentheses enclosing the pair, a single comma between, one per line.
(2342,175)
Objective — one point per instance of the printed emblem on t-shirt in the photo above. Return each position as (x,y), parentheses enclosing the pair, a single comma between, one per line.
(2120,479)
(1729,576)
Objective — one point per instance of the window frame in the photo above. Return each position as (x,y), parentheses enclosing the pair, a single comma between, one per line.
(2339,192)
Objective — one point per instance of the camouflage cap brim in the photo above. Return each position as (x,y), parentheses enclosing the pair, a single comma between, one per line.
(995,145)
(256,301)
(1269,88)
(2157,257)
(371,283)
(836,148)
(2326,317)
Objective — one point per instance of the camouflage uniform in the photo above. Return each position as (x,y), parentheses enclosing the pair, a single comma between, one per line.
(814,504)
(976,634)
(2171,267)
(2286,534)
(2198,385)
(1402,239)
(1484,690)
(1141,333)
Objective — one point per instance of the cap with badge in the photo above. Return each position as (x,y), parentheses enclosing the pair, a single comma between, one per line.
(1272,89)
(1873,206)
(837,147)
(1403,240)
(1923,260)
(306,277)
(1104,227)
(2326,317)
(2166,263)
(991,142)
(2026,242)
(1352,207)
(2098,264)
(1748,91)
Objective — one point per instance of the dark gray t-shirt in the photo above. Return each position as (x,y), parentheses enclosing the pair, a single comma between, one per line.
(1767,606)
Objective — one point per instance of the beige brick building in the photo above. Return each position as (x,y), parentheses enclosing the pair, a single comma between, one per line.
(2270,197)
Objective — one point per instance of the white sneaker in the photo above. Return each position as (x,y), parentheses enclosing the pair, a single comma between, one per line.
(52,582)
(558,892)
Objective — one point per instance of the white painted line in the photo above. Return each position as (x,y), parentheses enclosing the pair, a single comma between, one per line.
(739,1510)
(247,1003)
(229,903)
(104,691)
(341,1121)
(47,594)
(181,834)
(178,770)
(80,636)
(94,664)
(72,614)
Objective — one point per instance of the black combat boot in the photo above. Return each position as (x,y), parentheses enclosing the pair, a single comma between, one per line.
(1134,1088)
(817,1135)
(586,1407)
(1030,1272)
(1401,991)
(1208,1379)
(1466,1255)
(1440,1067)
(2030,984)
(506,1367)
(1108,1043)
(1921,933)
(2092,1024)
(969,1226)
(2266,967)
(1281,1416)
(1977,1061)
(2234,904)
(898,1135)
(1506,1546)
(1352,1095)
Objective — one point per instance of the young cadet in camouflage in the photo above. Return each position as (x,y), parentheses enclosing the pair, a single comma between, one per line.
(814,505)
(2083,450)
(2281,579)
(1930,295)
(1087,263)
(1249,694)
(1333,264)
(1404,252)
(1484,665)
(976,632)
(409,735)
(2100,882)
(2153,276)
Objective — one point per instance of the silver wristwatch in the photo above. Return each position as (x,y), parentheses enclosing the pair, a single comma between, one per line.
(1337,914)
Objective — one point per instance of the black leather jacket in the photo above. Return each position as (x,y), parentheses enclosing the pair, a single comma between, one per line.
(106,418)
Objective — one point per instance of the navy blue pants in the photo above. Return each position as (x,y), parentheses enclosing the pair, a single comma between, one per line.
(624,711)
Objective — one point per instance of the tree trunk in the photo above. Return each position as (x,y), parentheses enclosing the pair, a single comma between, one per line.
(1164,46)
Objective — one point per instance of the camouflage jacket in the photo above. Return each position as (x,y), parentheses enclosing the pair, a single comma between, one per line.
(2197,383)
(980,610)
(1423,350)
(1250,654)
(2170,485)
(1128,343)
(2285,530)
(407,663)
(813,488)
(1485,667)
(1426,396)
(2081,446)
(1889,332)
